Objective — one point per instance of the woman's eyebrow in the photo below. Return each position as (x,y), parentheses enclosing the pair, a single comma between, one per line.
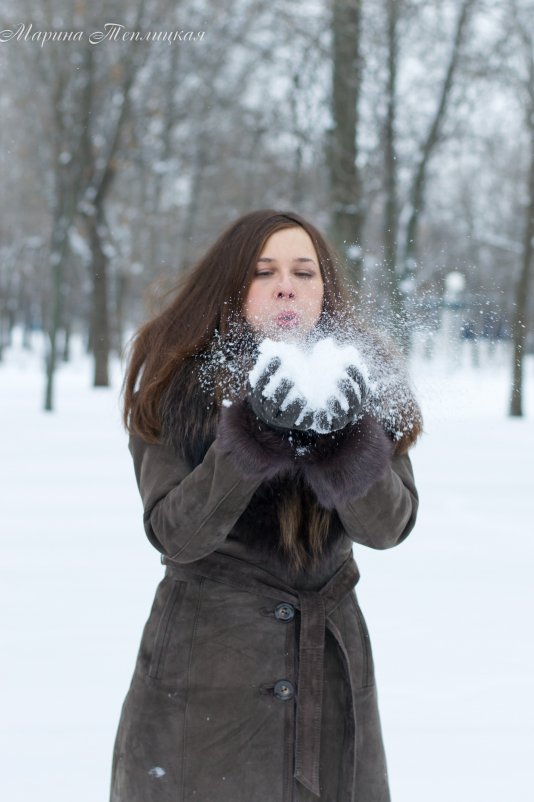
(298,259)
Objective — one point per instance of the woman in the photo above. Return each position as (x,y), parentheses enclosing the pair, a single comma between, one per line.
(254,680)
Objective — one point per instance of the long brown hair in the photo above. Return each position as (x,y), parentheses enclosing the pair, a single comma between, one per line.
(207,300)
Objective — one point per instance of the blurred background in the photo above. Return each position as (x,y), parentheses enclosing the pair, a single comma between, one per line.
(131,134)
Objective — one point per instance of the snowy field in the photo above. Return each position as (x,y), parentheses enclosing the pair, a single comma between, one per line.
(450,610)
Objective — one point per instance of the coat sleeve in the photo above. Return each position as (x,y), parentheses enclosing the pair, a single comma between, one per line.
(370,486)
(189,513)
(353,471)
(386,514)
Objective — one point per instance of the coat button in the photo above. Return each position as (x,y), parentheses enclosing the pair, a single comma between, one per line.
(284,612)
(283,689)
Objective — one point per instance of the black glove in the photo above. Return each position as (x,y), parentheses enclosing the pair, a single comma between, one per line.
(334,417)
(329,420)
(269,409)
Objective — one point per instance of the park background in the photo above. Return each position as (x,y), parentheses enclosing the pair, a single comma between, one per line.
(405,130)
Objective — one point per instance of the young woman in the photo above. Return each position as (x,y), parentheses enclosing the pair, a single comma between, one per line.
(255,680)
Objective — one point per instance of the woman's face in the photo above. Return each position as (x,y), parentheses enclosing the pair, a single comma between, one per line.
(285,298)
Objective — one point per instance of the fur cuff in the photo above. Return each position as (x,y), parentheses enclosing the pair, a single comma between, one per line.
(343,466)
(257,450)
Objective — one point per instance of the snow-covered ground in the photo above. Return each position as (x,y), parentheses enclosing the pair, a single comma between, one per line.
(450,610)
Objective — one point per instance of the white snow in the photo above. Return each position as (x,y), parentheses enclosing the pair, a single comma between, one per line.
(157,771)
(314,373)
(449,611)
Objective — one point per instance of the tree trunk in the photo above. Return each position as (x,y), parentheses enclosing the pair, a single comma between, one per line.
(122,283)
(66,341)
(520,321)
(191,213)
(347,208)
(391,212)
(100,315)
(58,254)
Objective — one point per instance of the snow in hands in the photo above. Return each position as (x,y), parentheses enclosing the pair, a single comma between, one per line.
(315,364)
(314,374)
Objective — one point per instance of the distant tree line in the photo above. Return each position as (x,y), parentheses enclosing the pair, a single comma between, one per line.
(403,128)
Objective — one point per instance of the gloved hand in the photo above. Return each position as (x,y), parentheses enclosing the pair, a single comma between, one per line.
(269,409)
(325,420)
(335,417)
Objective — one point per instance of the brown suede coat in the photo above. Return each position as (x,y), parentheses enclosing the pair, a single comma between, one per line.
(255,682)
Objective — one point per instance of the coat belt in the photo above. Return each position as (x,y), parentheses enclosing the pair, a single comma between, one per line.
(315,610)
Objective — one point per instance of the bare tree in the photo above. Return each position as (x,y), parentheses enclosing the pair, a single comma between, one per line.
(82,172)
(100,170)
(419,181)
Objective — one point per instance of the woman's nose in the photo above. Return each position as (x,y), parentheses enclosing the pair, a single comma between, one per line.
(285,288)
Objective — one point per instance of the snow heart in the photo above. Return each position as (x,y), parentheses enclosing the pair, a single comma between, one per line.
(314,373)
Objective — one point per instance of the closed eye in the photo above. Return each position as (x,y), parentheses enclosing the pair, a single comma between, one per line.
(269,273)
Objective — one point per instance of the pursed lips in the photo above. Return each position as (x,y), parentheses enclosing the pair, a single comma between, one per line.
(287,317)
(287,313)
